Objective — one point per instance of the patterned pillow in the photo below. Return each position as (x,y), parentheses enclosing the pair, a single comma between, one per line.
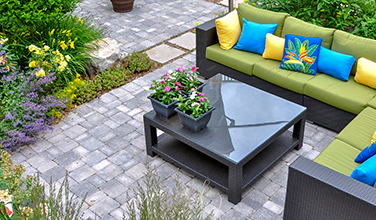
(301,54)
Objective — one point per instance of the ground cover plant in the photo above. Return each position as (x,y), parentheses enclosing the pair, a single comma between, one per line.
(29,197)
(354,16)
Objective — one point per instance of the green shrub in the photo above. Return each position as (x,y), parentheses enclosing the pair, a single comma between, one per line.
(137,62)
(357,16)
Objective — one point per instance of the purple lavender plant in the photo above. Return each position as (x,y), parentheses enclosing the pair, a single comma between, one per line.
(25,107)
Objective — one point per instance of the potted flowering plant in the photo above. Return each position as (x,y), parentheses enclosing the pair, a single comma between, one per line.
(188,79)
(194,111)
(165,96)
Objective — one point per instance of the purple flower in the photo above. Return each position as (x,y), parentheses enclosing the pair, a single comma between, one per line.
(9,116)
(167,89)
(11,92)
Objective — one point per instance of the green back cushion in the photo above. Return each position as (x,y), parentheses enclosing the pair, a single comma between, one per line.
(242,61)
(298,27)
(261,16)
(355,46)
(339,156)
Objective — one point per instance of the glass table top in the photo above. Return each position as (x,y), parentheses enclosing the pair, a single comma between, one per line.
(245,117)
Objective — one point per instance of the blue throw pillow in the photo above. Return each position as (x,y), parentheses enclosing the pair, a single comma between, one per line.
(366,153)
(253,36)
(301,54)
(335,64)
(366,172)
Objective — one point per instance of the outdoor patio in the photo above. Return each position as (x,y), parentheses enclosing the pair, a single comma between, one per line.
(101,144)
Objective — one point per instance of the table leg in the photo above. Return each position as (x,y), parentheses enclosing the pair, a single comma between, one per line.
(299,132)
(150,138)
(235,181)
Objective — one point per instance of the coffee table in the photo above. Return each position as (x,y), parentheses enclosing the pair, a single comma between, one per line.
(247,133)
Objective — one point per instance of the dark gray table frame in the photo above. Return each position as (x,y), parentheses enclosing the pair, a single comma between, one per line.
(232,178)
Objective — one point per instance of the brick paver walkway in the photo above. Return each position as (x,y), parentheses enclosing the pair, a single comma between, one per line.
(101,143)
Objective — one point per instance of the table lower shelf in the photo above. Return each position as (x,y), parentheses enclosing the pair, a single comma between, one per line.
(217,173)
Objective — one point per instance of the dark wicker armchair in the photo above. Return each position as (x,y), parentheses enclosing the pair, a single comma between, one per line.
(317,192)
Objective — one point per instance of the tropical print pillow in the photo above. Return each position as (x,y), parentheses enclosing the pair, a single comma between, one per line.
(301,54)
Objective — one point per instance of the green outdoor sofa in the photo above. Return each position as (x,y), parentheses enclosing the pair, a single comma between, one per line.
(331,103)
(323,188)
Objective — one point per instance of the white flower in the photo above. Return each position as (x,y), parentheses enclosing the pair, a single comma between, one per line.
(170,71)
(196,104)
(193,95)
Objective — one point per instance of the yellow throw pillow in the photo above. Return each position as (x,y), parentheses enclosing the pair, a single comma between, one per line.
(366,72)
(228,30)
(273,47)
(373,138)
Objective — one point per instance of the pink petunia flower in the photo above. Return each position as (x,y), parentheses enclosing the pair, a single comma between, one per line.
(167,89)
(190,78)
(162,81)
(202,99)
(177,83)
(201,94)
(194,69)
(177,88)
(166,73)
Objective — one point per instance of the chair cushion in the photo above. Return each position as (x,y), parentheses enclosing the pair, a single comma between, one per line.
(298,27)
(242,61)
(228,30)
(366,172)
(372,103)
(253,36)
(335,64)
(339,156)
(349,96)
(269,70)
(359,131)
(262,16)
(355,46)
(273,47)
(301,54)
(366,73)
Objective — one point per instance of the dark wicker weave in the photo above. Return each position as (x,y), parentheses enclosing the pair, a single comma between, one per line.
(329,116)
(317,192)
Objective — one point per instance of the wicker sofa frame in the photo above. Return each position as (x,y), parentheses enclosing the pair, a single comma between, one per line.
(318,112)
(316,192)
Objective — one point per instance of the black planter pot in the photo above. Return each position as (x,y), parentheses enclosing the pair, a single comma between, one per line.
(195,124)
(122,6)
(198,89)
(163,109)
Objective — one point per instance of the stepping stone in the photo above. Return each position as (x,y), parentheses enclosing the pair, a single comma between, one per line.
(236,2)
(164,53)
(187,41)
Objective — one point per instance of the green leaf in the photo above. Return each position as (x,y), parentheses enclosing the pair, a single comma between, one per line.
(291,46)
(298,44)
(312,49)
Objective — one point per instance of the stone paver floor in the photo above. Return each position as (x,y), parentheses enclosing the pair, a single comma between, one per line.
(101,143)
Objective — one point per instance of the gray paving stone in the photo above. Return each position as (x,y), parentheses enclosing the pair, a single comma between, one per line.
(109,172)
(113,188)
(121,157)
(279,197)
(67,158)
(164,53)
(84,188)
(96,180)
(120,118)
(94,158)
(117,143)
(41,146)
(265,214)
(92,144)
(100,130)
(113,104)
(66,144)
(96,118)
(104,206)
(255,199)
(54,174)
(233,214)
(123,130)
(82,173)
(187,41)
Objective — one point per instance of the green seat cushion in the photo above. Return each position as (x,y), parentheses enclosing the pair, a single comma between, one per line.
(298,27)
(372,103)
(262,16)
(242,61)
(339,156)
(355,46)
(349,96)
(359,131)
(269,71)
